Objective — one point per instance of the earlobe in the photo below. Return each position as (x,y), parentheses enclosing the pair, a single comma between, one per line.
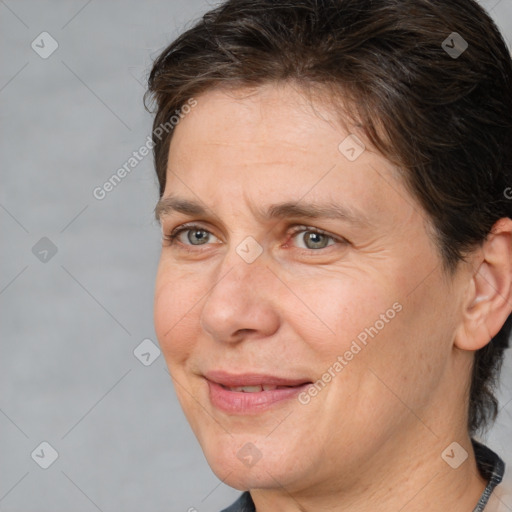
(489,295)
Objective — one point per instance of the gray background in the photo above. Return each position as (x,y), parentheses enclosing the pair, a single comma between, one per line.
(70,323)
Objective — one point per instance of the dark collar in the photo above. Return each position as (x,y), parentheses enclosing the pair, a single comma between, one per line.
(491,468)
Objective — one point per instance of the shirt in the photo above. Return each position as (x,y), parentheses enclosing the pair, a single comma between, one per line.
(489,464)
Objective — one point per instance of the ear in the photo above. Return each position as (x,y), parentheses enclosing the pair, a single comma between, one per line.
(489,295)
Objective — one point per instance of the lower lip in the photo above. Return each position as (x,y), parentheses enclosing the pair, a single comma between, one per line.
(238,402)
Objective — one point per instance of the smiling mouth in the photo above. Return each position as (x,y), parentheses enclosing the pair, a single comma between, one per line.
(252,394)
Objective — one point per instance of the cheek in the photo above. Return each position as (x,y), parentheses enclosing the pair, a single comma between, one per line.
(339,307)
(410,353)
(174,305)
(373,321)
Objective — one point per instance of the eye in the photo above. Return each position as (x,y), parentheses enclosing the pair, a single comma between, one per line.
(189,235)
(312,238)
(308,239)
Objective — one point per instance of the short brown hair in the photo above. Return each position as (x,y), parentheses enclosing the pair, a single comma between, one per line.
(444,118)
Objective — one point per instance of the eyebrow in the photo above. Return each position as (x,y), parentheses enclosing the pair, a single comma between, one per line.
(168,205)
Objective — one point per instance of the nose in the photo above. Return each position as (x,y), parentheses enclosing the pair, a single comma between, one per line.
(240,302)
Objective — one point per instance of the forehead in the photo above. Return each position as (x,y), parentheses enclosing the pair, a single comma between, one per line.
(275,144)
(273,116)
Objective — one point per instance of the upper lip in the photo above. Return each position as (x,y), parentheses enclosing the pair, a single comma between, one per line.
(251,379)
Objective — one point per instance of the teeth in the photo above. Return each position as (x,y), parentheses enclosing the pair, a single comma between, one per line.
(255,389)
(246,389)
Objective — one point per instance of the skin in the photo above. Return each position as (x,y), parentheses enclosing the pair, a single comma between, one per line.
(372,439)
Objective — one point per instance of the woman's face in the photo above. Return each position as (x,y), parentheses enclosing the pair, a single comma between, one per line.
(259,290)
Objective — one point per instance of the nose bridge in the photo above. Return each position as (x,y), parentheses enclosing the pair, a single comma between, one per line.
(238,279)
(243,266)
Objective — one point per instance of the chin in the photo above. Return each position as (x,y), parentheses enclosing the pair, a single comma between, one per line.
(246,478)
(240,464)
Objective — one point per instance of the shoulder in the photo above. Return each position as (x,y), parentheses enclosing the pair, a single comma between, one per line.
(243,504)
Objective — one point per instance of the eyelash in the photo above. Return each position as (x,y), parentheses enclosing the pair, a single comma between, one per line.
(170,238)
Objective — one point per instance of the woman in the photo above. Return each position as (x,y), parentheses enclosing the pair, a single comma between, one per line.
(334,292)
